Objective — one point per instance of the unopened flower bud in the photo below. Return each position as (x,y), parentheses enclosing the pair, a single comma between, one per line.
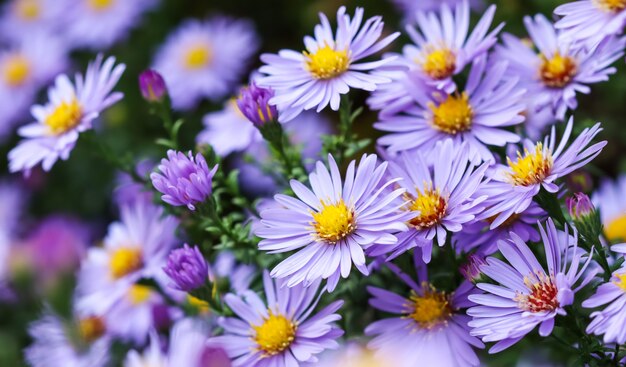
(187,268)
(579,206)
(152,86)
(471,269)
(253,102)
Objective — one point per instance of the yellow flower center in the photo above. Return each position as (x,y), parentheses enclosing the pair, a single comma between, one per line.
(334,222)
(439,63)
(16,70)
(327,63)
(430,206)
(532,168)
(138,294)
(28,9)
(610,5)
(65,117)
(275,334)
(453,115)
(124,261)
(99,5)
(621,281)
(430,309)
(558,71)
(201,306)
(198,57)
(91,328)
(616,230)
(542,296)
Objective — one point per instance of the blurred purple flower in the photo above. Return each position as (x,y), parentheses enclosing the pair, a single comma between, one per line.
(253,102)
(183,179)
(187,268)
(152,86)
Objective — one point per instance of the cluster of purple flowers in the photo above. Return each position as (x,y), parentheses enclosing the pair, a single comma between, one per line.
(468,174)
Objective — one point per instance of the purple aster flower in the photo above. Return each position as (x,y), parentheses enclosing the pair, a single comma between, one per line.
(333,223)
(479,115)
(328,67)
(526,295)
(253,102)
(184,179)
(283,331)
(513,187)
(410,8)
(559,70)
(430,329)
(442,47)
(205,59)
(135,247)
(98,24)
(609,199)
(609,321)
(128,191)
(80,343)
(25,66)
(151,356)
(71,109)
(22,18)
(589,21)
(438,199)
(152,86)
(478,236)
(187,268)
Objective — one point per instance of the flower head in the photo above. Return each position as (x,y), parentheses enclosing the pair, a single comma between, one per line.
(333,223)
(526,294)
(478,115)
(513,187)
(428,325)
(70,111)
(438,198)
(187,268)
(253,102)
(559,70)
(152,86)
(328,67)
(184,179)
(410,8)
(281,329)
(609,199)
(588,21)
(205,59)
(607,321)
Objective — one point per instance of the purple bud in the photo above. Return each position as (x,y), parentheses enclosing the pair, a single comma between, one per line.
(214,357)
(253,102)
(187,268)
(183,179)
(579,206)
(471,269)
(152,86)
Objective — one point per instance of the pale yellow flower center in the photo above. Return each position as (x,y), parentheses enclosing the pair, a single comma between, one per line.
(100,5)
(28,9)
(65,117)
(613,6)
(327,63)
(198,57)
(532,168)
(16,70)
(334,222)
(558,71)
(138,294)
(430,309)
(621,281)
(91,328)
(275,334)
(453,115)
(439,63)
(430,205)
(124,261)
(616,229)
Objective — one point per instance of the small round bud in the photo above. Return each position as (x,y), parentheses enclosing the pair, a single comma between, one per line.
(253,102)
(152,86)
(187,268)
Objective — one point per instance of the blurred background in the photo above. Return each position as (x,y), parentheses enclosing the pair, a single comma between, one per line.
(79,191)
